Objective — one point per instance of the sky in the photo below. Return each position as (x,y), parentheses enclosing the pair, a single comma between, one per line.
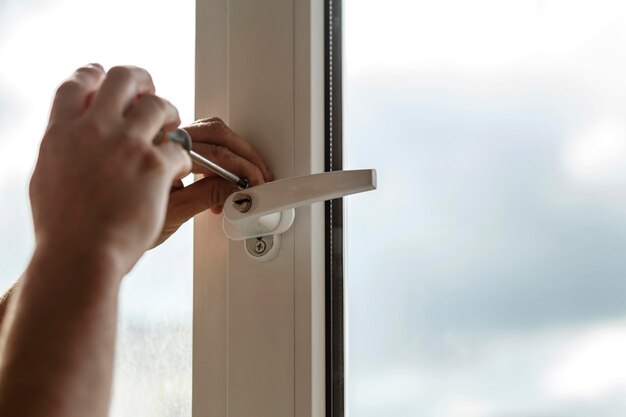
(486,274)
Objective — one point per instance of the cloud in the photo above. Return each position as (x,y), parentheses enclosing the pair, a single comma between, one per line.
(592,366)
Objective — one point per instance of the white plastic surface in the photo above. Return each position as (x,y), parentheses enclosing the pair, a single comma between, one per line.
(283,196)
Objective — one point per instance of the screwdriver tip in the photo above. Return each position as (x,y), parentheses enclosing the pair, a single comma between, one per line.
(243,183)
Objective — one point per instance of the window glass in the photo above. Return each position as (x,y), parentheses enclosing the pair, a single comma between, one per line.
(486,275)
(41,43)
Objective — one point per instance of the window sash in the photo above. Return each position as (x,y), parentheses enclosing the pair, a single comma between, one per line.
(259,327)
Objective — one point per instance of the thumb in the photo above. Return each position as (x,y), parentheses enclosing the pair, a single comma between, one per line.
(200,196)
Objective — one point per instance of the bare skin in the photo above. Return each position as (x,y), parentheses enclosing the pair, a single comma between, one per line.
(102,194)
(4,302)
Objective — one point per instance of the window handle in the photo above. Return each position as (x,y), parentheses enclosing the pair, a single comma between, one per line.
(268,209)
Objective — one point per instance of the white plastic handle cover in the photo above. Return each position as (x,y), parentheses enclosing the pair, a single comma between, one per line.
(273,204)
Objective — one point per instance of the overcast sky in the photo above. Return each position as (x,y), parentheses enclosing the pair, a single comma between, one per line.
(486,275)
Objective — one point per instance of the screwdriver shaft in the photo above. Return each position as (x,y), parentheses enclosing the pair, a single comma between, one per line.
(212,166)
(181,137)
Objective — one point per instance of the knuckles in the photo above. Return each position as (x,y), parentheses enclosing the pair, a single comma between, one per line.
(218,126)
(209,120)
(120,72)
(90,71)
(68,87)
(151,160)
(153,103)
(211,127)
(125,74)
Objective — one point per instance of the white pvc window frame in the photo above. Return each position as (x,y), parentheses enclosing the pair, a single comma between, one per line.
(258,333)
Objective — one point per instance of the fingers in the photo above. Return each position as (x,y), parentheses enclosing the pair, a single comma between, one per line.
(229,160)
(207,193)
(215,131)
(73,96)
(121,86)
(149,115)
(177,185)
(177,161)
(217,209)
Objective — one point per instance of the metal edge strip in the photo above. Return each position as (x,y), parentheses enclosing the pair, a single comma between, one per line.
(335,315)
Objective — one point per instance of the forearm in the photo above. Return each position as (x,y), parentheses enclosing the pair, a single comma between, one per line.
(4,303)
(57,359)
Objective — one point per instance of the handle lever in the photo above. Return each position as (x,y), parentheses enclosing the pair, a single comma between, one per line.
(268,209)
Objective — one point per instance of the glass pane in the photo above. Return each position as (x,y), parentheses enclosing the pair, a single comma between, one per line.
(41,43)
(486,276)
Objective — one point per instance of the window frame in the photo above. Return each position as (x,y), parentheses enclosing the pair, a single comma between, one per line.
(239,368)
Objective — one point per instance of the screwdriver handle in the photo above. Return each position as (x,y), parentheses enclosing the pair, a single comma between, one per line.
(181,137)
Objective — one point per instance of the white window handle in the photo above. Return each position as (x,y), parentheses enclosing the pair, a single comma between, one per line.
(268,209)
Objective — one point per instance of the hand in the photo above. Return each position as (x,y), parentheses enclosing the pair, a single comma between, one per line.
(217,142)
(100,184)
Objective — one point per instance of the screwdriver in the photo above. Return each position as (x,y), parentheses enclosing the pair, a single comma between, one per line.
(181,137)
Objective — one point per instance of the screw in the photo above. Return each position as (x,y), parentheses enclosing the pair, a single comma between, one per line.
(260,246)
(242,202)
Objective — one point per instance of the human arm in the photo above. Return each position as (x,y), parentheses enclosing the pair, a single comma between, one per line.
(215,140)
(99,195)
(57,355)
(4,302)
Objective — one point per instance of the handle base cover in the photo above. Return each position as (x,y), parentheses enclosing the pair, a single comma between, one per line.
(264,226)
